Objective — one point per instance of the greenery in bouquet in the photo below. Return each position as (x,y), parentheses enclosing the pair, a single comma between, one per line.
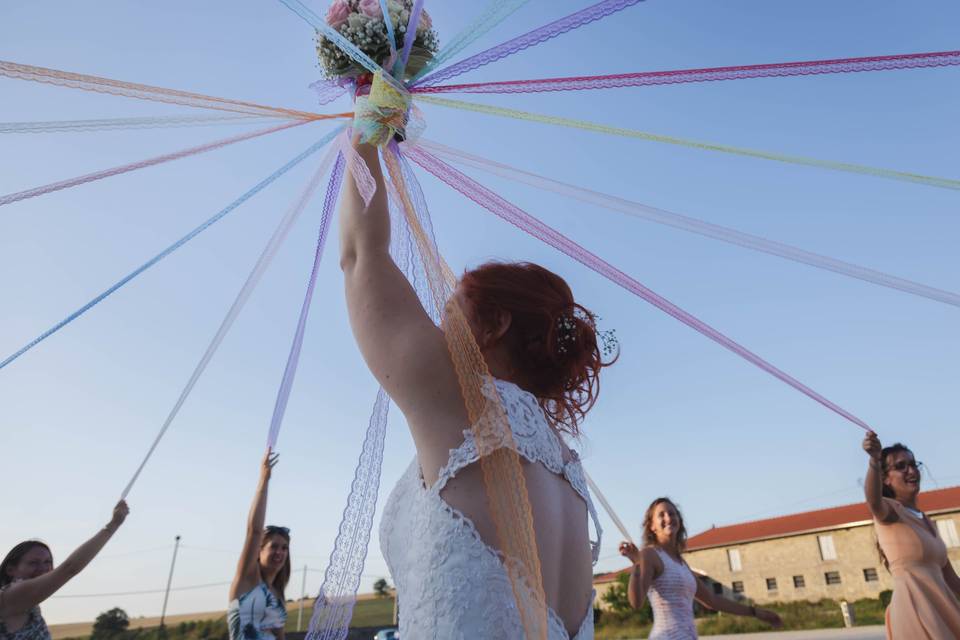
(362,23)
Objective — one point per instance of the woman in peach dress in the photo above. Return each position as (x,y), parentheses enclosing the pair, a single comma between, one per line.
(925,586)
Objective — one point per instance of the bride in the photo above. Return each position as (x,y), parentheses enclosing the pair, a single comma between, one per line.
(437,533)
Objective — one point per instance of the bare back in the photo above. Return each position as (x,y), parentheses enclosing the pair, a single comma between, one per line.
(560,524)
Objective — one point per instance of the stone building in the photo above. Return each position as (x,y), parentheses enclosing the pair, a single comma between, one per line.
(829,553)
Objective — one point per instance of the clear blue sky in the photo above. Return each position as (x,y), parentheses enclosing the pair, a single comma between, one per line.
(677,415)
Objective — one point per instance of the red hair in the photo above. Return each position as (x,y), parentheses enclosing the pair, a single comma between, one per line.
(553,339)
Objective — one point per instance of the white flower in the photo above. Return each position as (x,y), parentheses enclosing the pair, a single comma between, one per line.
(357,21)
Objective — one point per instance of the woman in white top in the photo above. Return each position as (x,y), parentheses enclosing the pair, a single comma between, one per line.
(437,533)
(659,573)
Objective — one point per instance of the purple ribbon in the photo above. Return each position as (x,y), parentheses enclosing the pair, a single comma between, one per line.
(286,384)
(524,221)
(535,37)
(409,36)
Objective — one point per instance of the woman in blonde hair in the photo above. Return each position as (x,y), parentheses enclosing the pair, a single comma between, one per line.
(660,573)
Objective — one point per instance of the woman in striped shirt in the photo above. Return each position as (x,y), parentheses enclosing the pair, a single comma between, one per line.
(660,574)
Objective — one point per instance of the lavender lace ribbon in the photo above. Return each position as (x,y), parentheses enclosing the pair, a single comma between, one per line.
(541,34)
(293,359)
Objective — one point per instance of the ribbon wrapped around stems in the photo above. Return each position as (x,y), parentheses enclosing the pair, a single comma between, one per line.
(381,114)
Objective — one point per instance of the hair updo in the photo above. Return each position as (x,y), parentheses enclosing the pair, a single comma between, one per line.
(553,340)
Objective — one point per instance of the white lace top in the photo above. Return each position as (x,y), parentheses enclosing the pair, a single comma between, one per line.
(450,584)
(671,598)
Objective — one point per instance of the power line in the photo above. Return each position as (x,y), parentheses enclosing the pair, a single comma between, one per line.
(135,552)
(143,592)
(237,552)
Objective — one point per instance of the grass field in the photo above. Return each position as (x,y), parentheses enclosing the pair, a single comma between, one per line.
(369,611)
(796,616)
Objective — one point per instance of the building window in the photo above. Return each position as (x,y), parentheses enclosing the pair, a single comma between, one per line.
(737,586)
(718,588)
(827,551)
(771,584)
(798,582)
(948,533)
(832,577)
(733,556)
(870,575)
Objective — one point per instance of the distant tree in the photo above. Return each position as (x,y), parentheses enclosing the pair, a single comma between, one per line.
(110,624)
(380,587)
(616,597)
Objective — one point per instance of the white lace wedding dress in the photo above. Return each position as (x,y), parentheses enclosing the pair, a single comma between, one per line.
(450,583)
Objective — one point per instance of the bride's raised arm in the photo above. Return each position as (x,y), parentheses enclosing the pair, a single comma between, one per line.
(404,350)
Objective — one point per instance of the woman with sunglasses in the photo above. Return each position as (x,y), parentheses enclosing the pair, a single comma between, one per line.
(925,586)
(257,609)
(660,574)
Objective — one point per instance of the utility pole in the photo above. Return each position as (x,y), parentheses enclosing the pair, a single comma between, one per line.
(166,595)
(303,595)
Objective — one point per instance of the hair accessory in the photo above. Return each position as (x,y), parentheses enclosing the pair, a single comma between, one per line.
(272,528)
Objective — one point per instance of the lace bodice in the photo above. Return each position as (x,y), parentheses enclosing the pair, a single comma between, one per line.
(450,584)
(671,598)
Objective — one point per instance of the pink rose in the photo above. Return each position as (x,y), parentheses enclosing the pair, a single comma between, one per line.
(337,13)
(371,8)
(425,22)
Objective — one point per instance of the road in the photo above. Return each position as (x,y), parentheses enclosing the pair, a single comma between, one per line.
(857,633)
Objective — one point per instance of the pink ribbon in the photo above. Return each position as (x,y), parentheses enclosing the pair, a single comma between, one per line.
(524,221)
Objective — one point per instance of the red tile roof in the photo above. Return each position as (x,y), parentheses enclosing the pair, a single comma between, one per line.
(604,578)
(797,523)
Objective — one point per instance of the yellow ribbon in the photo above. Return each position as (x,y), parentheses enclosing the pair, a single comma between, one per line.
(381,114)
(945,183)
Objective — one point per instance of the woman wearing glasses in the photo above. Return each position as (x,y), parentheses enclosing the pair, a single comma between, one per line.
(257,610)
(925,586)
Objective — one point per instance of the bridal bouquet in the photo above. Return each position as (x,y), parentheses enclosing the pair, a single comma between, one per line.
(362,22)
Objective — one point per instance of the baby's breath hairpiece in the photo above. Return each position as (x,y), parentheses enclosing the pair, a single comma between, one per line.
(608,341)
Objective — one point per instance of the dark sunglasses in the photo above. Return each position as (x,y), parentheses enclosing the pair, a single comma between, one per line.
(271,528)
(903,465)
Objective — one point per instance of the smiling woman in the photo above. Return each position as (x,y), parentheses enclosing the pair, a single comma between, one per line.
(923,578)
(660,573)
(257,609)
(28,577)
